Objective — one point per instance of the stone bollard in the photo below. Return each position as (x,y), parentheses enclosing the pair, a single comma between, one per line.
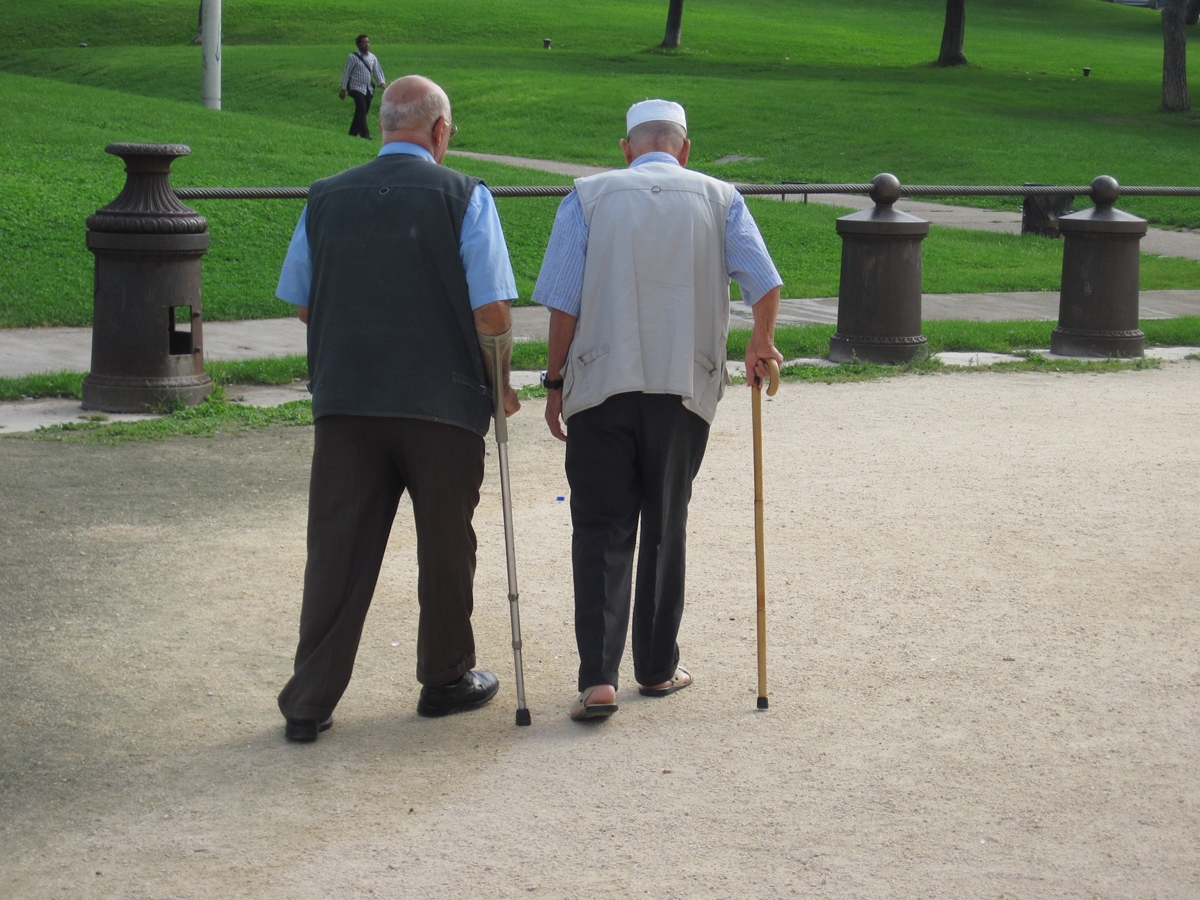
(879,295)
(1098,304)
(147,352)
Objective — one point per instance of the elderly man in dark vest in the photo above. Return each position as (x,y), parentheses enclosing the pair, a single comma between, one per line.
(400,269)
(636,276)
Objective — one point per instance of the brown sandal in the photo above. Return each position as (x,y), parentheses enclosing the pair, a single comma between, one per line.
(679,681)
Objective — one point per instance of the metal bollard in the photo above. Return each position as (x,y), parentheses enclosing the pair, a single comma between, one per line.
(1098,304)
(147,349)
(879,295)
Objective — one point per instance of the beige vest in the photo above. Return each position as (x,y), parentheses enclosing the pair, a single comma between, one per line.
(655,311)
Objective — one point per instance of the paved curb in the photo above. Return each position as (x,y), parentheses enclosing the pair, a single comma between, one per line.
(23,416)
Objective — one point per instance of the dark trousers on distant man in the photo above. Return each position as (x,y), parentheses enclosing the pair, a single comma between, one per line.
(362,107)
(361,466)
(632,458)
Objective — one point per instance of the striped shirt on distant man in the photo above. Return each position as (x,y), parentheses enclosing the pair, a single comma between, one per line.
(360,69)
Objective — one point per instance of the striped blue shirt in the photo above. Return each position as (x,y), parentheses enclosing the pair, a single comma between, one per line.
(560,281)
(481,246)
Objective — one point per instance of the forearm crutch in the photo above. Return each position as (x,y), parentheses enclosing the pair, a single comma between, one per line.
(760,562)
(496,347)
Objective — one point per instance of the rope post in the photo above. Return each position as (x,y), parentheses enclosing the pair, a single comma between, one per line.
(879,295)
(1098,305)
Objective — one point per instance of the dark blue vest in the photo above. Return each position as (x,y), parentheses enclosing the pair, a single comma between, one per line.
(390,327)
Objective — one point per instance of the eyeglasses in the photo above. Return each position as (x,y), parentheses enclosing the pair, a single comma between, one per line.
(453,127)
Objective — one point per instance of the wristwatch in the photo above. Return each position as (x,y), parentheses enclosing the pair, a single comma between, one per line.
(551,384)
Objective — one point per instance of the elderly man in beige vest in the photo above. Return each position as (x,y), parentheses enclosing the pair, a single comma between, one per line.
(636,276)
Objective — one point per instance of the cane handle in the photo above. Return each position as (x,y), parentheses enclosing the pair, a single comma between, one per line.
(772,378)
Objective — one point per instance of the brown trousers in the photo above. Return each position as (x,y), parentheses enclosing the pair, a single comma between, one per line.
(361,465)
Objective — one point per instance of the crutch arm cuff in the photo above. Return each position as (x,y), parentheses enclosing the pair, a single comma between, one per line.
(496,346)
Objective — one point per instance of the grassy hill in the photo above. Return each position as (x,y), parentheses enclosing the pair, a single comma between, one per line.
(821,91)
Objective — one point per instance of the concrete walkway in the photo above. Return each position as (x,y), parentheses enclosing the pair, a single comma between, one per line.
(31,351)
(28,351)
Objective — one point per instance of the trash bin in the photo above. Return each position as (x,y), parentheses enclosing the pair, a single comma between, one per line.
(147,335)
(1040,212)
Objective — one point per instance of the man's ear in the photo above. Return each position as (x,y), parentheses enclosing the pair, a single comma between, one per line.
(627,150)
(683,154)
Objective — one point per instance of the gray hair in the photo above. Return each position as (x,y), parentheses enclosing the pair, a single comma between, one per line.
(420,112)
(659,135)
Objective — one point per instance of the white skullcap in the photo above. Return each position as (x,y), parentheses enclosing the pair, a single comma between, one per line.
(655,111)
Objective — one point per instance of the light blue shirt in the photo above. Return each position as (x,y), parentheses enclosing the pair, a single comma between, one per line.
(480,244)
(560,282)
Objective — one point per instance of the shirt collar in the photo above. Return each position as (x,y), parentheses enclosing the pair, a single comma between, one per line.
(406,147)
(658,156)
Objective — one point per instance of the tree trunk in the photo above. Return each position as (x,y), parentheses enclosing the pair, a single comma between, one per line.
(1193,12)
(674,24)
(953,34)
(1174,85)
(199,38)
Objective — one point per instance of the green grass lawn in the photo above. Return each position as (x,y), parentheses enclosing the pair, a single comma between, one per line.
(821,91)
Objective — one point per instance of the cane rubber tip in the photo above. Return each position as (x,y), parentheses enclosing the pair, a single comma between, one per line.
(762,702)
(523,717)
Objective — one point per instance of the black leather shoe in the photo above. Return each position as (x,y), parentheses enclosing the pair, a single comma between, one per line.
(471,691)
(305,730)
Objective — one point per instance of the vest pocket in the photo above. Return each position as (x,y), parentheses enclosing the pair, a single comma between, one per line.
(593,355)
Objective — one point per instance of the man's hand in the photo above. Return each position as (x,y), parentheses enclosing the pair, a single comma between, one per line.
(493,325)
(562,332)
(554,414)
(761,345)
(342,94)
(511,403)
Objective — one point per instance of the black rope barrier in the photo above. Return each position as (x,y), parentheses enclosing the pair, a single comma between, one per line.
(910,190)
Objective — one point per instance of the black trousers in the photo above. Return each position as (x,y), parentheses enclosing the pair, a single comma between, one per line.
(361,465)
(362,106)
(632,458)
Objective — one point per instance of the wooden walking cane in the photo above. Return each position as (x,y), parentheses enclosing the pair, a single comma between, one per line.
(756,407)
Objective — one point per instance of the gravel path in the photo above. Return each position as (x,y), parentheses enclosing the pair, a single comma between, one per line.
(984,669)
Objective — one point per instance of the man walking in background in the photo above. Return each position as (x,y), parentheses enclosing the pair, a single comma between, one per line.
(636,276)
(401,271)
(359,77)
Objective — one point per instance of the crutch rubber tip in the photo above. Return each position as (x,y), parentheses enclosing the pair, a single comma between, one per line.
(762,702)
(523,717)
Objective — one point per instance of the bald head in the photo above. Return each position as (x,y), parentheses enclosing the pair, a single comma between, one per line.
(665,137)
(668,137)
(412,103)
(417,111)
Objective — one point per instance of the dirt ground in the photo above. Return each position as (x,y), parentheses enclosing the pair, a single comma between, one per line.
(984,669)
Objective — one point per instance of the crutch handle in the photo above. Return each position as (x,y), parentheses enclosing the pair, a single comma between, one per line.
(498,394)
